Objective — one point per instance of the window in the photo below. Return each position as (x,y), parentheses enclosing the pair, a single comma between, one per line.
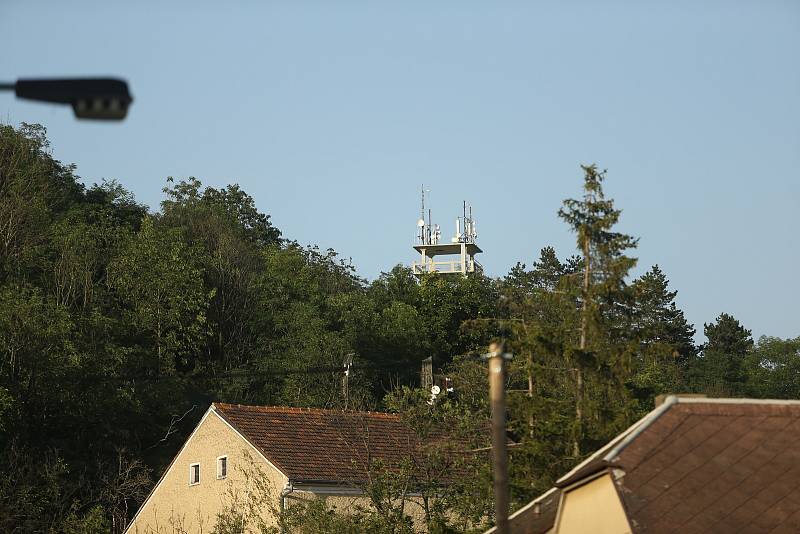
(194,474)
(222,467)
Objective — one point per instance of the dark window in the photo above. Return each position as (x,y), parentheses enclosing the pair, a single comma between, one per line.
(194,474)
(222,467)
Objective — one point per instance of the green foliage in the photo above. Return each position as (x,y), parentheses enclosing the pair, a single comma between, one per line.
(158,278)
(33,491)
(201,213)
(665,339)
(721,370)
(94,521)
(602,354)
(36,350)
(35,190)
(773,369)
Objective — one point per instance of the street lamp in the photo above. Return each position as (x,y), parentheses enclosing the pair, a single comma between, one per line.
(90,98)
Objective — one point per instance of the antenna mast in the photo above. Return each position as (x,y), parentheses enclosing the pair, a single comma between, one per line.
(424,231)
(429,245)
(422,208)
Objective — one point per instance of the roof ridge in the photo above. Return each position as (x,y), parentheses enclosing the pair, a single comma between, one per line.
(298,409)
(734,400)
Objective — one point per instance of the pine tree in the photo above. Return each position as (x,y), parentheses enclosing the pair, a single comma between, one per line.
(602,297)
(721,370)
(665,338)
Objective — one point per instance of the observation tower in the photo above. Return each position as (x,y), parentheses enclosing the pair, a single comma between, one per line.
(456,256)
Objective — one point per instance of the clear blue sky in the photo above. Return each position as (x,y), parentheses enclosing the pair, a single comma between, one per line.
(331,114)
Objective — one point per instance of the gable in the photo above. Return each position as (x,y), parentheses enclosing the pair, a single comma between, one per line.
(174,499)
(594,503)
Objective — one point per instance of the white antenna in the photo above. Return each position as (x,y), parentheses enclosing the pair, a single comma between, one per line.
(425,231)
(422,208)
(421,220)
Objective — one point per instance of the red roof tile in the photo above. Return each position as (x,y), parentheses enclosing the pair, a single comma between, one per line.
(318,445)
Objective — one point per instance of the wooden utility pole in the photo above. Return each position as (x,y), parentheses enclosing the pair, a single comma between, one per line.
(348,364)
(497,375)
(426,374)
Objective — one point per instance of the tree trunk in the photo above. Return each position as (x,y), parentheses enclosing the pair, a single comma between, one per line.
(579,386)
(530,395)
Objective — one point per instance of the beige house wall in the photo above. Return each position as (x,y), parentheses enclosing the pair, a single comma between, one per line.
(592,507)
(175,506)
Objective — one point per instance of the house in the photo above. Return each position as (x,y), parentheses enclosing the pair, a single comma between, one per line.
(301,452)
(692,465)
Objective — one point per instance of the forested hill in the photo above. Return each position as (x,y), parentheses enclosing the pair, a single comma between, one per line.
(120,324)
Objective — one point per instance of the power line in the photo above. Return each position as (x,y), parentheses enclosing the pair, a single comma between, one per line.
(272,373)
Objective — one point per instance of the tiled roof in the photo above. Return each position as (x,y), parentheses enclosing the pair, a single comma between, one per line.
(315,445)
(715,467)
(707,466)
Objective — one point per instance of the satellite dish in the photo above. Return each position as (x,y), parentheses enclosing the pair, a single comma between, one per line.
(435,390)
(421,223)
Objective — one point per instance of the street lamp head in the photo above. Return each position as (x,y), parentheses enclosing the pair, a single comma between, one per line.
(90,98)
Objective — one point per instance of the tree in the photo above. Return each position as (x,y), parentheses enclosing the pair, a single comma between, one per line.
(185,198)
(665,339)
(773,369)
(445,303)
(540,318)
(159,280)
(36,350)
(452,440)
(34,190)
(231,234)
(603,297)
(720,372)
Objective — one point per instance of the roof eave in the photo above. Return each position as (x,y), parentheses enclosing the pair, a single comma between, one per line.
(606,456)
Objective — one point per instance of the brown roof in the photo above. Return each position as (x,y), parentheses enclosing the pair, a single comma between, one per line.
(706,466)
(326,446)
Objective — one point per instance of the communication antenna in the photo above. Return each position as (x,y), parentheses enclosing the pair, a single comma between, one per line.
(422,208)
(473,228)
(424,230)
(461,249)
(466,225)
(429,226)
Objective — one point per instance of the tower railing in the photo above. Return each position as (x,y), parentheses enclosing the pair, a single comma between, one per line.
(442,267)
